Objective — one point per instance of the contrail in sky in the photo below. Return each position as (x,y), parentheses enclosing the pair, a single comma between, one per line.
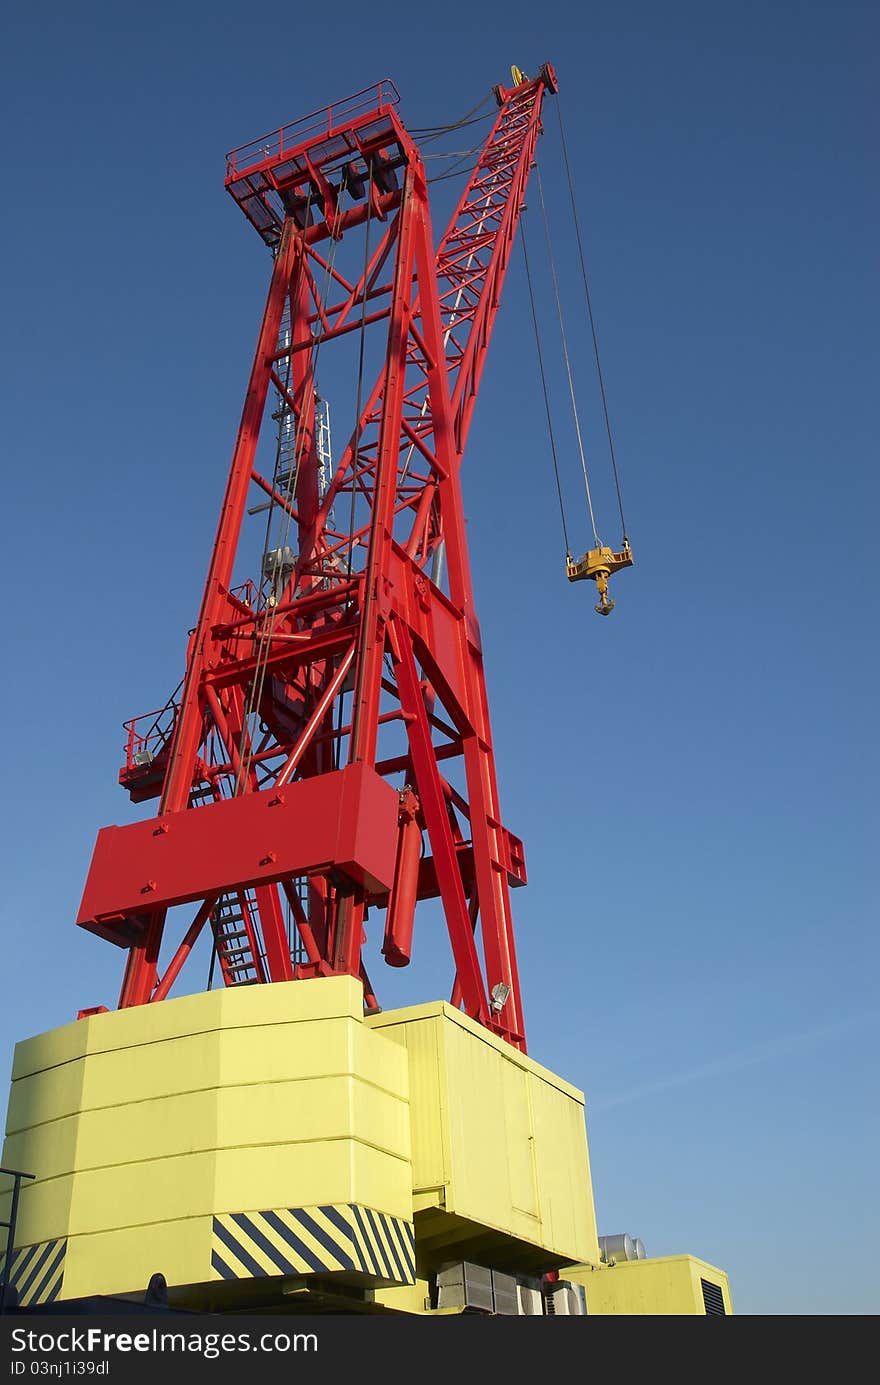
(734,1062)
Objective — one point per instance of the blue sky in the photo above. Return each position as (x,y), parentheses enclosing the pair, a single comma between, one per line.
(693,776)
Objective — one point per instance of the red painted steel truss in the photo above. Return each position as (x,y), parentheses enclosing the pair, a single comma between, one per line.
(305,769)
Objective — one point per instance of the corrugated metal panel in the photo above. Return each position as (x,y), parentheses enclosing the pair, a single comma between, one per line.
(427,1111)
(466,1286)
(504,1295)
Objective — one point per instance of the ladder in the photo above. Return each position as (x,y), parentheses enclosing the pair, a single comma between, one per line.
(241,963)
(284,478)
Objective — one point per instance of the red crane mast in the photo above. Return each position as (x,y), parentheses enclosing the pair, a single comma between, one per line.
(272,763)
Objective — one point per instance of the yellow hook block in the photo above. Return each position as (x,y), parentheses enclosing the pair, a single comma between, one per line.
(597,565)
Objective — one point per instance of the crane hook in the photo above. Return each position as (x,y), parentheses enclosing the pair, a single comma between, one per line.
(597,565)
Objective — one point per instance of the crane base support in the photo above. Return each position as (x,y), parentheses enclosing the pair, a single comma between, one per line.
(217,1138)
(271,1147)
(664,1286)
(268,1143)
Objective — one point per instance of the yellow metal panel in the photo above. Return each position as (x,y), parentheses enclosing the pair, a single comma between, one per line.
(248,1007)
(384,1065)
(151,1070)
(47,1050)
(563,1169)
(58,1141)
(409,1298)
(151,1024)
(439,1009)
(668,1286)
(143,1130)
(380,1182)
(479,1183)
(429,1135)
(126,1258)
(322,1109)
(296,1175)
(280,1052)
(520,1138)
(381,1120)
(497,1139)
(280,1112)
(282,1176)
(284,1113)
(293,1002)
(45,1095)
(44,1209)
(287,1002)
(143,1125)
(229,1057)
(138,1193)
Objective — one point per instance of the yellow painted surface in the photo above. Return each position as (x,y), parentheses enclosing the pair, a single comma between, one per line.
(496,1138)
(143,1124)
(407,1298)
(129,1256)
(668,1286)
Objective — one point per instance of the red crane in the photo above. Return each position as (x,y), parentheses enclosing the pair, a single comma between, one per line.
(305,768)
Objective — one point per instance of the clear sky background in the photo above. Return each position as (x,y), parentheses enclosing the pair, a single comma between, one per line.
(693,777)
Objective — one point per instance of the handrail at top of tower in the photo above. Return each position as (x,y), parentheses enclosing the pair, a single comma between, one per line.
(322,121)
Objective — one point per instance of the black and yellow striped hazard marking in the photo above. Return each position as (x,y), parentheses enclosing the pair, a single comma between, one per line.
(314,1240)
(37,1271)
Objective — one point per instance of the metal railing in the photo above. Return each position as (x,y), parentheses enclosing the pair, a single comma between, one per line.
(147,734)
(8,1296)
(310,127)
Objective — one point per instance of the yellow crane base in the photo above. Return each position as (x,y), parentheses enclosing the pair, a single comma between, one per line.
(271,1147)
(597,565)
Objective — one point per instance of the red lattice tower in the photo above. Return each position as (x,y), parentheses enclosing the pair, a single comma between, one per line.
(305,769)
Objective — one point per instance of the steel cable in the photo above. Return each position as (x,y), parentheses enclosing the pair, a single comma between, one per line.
(544,388)
(574,408)
(593,330)
(426,134)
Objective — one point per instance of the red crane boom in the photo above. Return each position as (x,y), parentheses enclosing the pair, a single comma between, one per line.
(351,661)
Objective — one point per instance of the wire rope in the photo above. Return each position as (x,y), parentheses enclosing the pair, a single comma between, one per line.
(545,391)
(593,330)
(426,134)
(574,408)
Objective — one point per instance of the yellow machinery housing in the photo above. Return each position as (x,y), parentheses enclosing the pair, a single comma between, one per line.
(668,1286)
(271,1148)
